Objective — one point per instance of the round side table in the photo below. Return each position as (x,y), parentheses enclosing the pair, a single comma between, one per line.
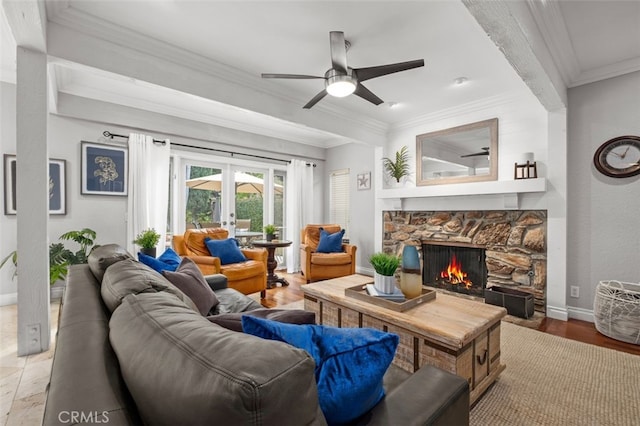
(272,263)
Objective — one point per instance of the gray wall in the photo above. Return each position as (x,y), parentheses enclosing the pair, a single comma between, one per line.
(603,212)
(358,159)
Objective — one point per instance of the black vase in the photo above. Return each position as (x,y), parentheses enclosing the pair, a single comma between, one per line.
(271,237)
(149,251)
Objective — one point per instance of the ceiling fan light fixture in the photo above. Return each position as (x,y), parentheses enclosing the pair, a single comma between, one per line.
(340,85)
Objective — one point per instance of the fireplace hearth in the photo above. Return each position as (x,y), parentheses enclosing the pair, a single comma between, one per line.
(457,268)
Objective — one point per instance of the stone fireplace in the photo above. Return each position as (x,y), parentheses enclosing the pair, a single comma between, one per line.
(513,242)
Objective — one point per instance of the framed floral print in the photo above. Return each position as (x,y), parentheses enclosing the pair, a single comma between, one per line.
(57,185)
(104,169)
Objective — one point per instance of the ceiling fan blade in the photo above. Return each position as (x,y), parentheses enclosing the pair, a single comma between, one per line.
(485,151)
(295,76)
(315,99)
(338,51)
(367,94)
(364,74)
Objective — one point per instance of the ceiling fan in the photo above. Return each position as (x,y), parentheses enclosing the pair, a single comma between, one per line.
(341,80)
(485,151)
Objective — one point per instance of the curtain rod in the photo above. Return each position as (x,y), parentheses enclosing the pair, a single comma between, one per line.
(108,134)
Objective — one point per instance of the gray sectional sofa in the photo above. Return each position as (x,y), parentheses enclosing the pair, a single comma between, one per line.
(146,356)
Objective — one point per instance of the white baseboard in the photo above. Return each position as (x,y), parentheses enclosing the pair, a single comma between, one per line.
(581,314)
(8,299)
(557,313)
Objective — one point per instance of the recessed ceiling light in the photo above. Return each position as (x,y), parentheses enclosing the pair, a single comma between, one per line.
(460,81)
(392,104)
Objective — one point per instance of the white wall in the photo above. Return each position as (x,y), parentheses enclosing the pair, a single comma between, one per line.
(107,214)
(604,213)
(358,158)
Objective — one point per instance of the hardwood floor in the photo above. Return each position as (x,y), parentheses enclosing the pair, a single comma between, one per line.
(573,329)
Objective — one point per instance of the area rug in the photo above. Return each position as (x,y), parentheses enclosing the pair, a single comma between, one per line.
(550,380)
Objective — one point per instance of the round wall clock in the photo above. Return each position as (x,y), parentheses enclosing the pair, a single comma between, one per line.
(619,157)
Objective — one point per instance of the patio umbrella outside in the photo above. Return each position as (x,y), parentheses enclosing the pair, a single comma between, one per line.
(245,183)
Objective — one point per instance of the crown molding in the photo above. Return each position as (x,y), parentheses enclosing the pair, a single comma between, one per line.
(609,71)
(63,14)
(551,24)
(459,110)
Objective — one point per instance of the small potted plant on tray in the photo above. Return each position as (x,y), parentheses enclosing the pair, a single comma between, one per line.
(385,265)
(147,240)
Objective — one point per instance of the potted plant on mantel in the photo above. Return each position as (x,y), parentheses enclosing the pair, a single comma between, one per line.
(270,232)
(147,240)
(400,167)
(385,265)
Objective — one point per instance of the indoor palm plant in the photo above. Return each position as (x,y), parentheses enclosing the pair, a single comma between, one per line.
(399,167)
(385,265)
(147,240)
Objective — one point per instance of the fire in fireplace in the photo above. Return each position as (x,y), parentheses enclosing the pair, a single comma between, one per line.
(459,269)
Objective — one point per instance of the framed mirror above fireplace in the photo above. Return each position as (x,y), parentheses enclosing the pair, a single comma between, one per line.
(467,153)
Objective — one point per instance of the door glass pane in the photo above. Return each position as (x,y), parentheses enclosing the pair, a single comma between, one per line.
(249,197)
(204,197)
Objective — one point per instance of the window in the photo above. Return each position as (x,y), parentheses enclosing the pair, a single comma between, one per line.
(339,199)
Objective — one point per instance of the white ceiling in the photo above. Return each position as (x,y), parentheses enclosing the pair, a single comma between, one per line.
(588,40)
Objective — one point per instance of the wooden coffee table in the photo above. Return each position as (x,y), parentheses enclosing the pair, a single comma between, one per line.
(453,333)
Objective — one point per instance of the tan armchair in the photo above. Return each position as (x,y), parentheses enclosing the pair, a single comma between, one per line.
(246,277)
(322,266)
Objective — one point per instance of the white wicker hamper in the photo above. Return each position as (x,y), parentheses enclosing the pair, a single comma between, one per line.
(616,309)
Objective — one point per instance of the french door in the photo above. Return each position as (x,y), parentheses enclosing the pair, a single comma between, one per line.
(240,197)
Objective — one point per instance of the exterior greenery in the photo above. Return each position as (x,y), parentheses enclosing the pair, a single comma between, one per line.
(147,239)
(202,203)
(400,167)
(385,263)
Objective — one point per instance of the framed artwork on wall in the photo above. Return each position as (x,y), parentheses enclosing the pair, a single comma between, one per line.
(104,169)
(57,185)
(364,181)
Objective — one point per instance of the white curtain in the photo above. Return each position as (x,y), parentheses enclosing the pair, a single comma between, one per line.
(148,200)
(299,196)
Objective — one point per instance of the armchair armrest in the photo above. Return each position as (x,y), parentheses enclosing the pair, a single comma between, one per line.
(306,248)
(429,396)
(348,248)
(255,254)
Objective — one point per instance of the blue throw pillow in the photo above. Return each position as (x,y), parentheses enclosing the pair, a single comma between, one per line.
(227,250)
(168,261)
(330,243)
(350,362)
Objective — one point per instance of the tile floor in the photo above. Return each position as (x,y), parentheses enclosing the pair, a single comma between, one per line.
(23,380)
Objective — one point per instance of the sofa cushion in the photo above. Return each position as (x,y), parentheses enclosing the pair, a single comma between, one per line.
(182,370)
(227,250)
(191,282)
(233,321)
(241,271)
(131,277)
(104,256)
(329,259)
(330,243)
(194,239)
(350,362)
(232,301)
(167,261)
